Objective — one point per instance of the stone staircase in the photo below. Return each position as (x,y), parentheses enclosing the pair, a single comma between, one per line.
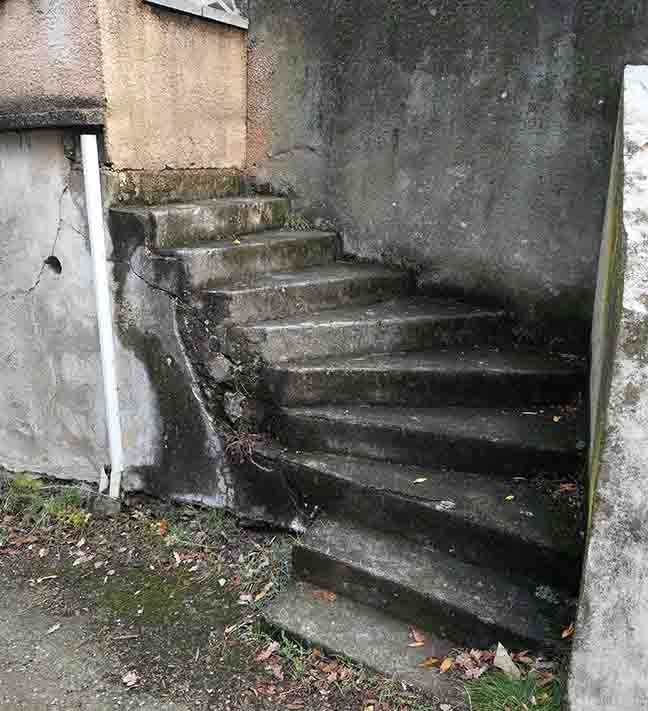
(426,446)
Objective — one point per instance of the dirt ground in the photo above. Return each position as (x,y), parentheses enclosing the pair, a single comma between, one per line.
(158,607)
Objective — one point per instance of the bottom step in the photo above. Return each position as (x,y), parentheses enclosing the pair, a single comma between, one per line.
(366,635)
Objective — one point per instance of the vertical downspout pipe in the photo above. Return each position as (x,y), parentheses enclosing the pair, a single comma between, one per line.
(94,209)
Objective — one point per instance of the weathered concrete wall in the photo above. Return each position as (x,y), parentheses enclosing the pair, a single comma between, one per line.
(175,88)
(51,406)
(471,140)
(50,68)
(608,670)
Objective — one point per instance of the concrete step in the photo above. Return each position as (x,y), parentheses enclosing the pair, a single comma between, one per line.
(185,224)
(425,587)
(503,442)
(443,377)
(284,294)
(536,535)
(399,325)
(213,264)
(368,636)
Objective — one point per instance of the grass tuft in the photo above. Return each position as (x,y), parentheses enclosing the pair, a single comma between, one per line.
(297,223)
(497,692)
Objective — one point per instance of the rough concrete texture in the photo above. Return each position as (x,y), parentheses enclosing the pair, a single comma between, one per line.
(443,594)
(175,88)
(49,664)
(470,139)
(174,432)
(51,405)
(611,647)
(50,68)
(350,629)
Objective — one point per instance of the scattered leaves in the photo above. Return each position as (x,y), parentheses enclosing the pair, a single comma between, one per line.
(267,652)
(567,488)
(418,638)
(446,665)
(429,662)
(568,631)
(131,679)
(420,480)
(325,595)
(504,662)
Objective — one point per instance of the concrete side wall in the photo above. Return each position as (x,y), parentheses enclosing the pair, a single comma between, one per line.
(608,670)
(470,140)
(51,408)
(50,67)
(175,89)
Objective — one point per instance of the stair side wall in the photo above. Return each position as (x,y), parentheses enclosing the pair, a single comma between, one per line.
(613,618)
(471,140)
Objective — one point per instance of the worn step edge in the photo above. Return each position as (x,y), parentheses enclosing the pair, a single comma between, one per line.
(398,325)
(287,294)
(465,514)
(363,634)
(452,598)
(182,224)
(443,377)
(213,264)
(466,439)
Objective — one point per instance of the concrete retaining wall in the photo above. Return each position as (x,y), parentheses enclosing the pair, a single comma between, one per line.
(471,140)
(608,671)
(51,406)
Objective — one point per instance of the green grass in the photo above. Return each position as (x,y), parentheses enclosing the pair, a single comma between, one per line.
(35,500)
(297,223)
(497,692)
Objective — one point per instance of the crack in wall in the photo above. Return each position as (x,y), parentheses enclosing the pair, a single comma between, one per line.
(45,264)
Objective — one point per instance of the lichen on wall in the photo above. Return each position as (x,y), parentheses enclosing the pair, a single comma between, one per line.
(611,645)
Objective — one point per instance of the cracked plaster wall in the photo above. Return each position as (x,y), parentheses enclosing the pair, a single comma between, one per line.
(469,139)
(51,405)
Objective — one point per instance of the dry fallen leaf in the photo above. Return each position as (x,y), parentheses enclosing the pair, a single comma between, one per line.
(510,498)
(569,631)
(567,488)
(131,679)
(447,665)
(418,637)
(263,592)
(325,595)
(420,480)
(275,668)
(267,652)
(54,628)
(557,418)
(236,242)
(429,662)
(504,662)
(163,527)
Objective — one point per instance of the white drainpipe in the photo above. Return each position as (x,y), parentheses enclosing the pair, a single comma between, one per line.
(94,208)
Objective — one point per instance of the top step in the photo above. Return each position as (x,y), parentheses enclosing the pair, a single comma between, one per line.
(187,224)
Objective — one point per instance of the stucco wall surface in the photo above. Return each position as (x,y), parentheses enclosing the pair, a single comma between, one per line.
(51,406)
(50,68)
(175,88)
(608,669)
(471,140)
